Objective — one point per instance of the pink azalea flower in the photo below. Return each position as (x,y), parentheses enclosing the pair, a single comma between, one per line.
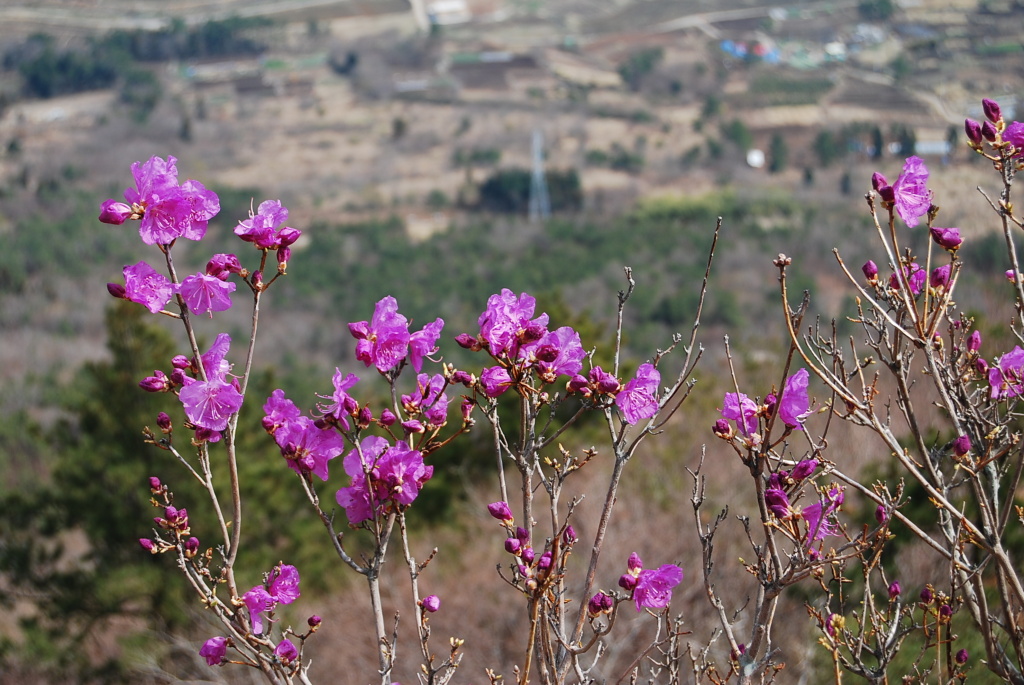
(742,410)
(819,517)
(423,343)
(144,285)
(507,322)
(167,210)
(210,403)
(558,353)
(654,587)
(495,380)
(214,649)
(638,400)
(384,340)
(206,294)
(342,405)
(911,195)
(308,448)
(257,600)
(284,584)
(794,405)
(265,229)
(1006,375)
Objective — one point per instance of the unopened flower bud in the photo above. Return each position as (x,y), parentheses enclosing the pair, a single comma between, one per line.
(947,238)
(992,110)
(114,213)
(512,546)
(288,236)
(974,342)
(155,485)
(257,278)
(158,382)
(569,536)
(431,603)
(413,426)
(939,277)
(627,582)
(533,332)
(577,384)
(961,657)
(283,255)
(148,545)
(191,547)
(364,418)
(894,590)
(545,560)
(467,408)
(314,621)
(116,290)
(599,604)
(463,377)
(945,611)
(522,535)
(878,181)
(527,554)
(634,564)
(973,130)
(500,511)
(467,341)
(981,366)
(926,595)
(988,131)
(387,418)
(881,513)
(870,270)
(804,469)
(164,422)
(722,429)
(962,445)
(887,194)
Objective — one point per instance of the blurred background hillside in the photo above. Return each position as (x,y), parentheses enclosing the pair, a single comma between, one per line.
(438,152)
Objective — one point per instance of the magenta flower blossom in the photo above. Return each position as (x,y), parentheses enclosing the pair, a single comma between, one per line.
(639,399)
(145,286)
(508,323)
(284,584)
(286,651)
(558,353)
(974,342)
(911,195)
(741,409)
(430,399)
(1006,375)
(265,229)
(214,650)
(778,503)
(916,277)
(206,294)
(307,447)
(495,380)
(342,404)
(278,411)
(794,407)
(223,265)
(257,600)
(384,340)
(820,516)
(654,587)
(423,343)
(381,473)
(210,403)
(1014,134)
(168,211)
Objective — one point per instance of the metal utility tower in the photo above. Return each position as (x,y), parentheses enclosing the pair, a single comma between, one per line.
(540,203)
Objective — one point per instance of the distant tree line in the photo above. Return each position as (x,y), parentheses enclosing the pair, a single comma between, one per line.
(112,60)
